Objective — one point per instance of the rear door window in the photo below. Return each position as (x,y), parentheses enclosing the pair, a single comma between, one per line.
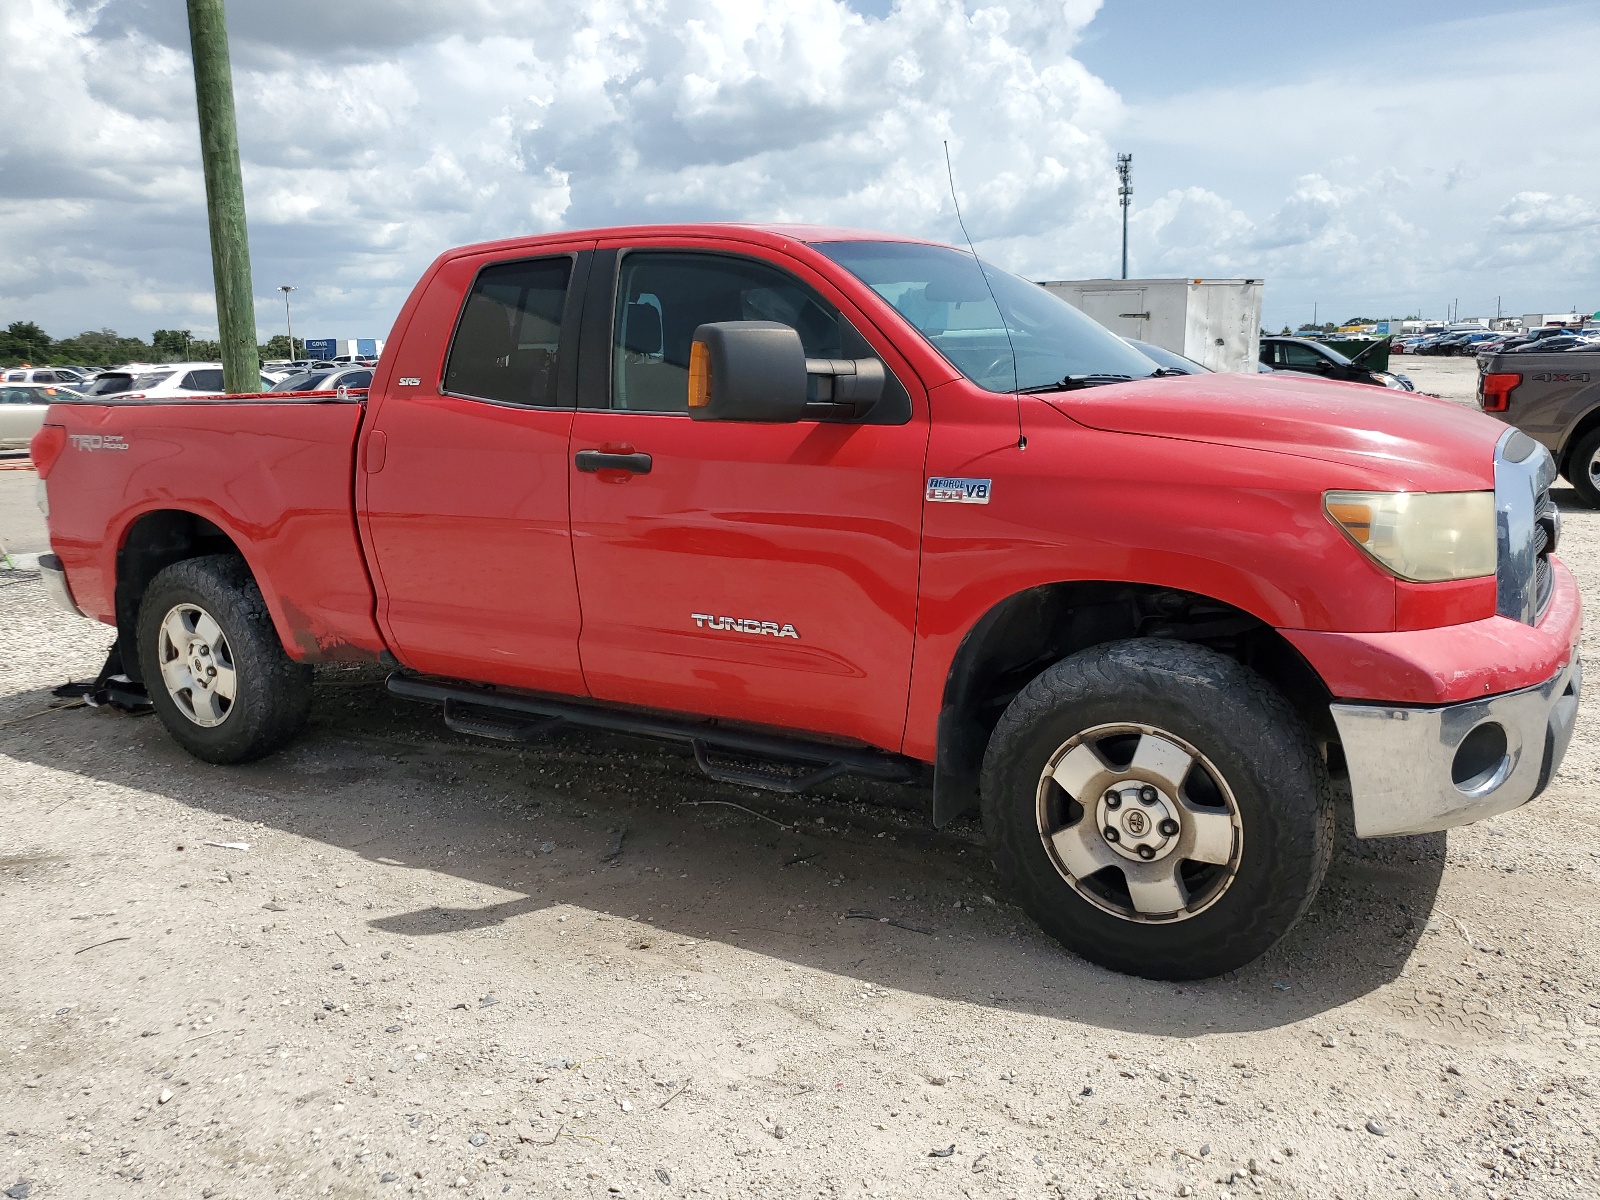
(506,343)
(206,380)
(1301,356)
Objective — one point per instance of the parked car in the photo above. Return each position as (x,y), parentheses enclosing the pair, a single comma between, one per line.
(184,379)
(1311,358)
(1549,345)
(45,375)
(740,512)
(22,410)
(325,381)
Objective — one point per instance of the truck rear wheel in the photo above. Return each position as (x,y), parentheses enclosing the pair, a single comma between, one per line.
(1158,808)
(213,665)
(1583,469)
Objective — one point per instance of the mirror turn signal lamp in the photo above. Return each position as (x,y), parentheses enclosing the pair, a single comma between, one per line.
(699,375)
(1494,392)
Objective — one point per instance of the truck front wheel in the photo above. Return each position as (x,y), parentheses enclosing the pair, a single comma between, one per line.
(1158,808)
(213,665)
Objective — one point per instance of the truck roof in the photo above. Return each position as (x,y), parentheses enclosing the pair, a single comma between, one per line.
(771,233)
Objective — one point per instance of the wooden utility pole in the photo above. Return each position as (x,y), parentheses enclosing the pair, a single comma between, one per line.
(219,155)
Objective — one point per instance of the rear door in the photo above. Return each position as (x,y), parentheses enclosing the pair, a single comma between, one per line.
(463,476)
(765,573)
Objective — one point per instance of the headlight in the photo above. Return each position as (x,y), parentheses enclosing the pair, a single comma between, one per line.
(1389,381)
(1424,537)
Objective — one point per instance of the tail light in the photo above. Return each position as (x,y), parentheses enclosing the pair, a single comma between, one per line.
(46,447)
(1494,392)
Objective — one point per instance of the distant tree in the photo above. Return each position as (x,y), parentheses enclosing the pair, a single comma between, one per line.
(23,341)
(203,351)
(1286,331)
(171,345)
(277,347)
(102,348)
(1362,321)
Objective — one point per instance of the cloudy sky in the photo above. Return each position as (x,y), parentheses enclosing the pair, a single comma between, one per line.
(1363,157)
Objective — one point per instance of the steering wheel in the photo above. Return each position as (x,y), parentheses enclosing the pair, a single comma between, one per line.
(996,364)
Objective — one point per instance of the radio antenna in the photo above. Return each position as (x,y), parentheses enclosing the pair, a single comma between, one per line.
(1022,442)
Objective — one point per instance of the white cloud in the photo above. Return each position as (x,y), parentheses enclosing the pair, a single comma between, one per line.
(1540,212)
(376,134)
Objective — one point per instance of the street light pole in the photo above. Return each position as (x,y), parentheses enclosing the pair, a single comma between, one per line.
(288,320)
(1125,198)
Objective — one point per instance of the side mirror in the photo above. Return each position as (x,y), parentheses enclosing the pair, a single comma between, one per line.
(757,371)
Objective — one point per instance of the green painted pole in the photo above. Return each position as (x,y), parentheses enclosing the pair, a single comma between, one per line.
(219,154)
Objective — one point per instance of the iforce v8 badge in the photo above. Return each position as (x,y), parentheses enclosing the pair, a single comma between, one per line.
(943,490)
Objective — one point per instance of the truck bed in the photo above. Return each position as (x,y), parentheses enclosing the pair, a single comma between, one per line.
(271,473)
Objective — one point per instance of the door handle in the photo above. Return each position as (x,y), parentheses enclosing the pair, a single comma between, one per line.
(592,461)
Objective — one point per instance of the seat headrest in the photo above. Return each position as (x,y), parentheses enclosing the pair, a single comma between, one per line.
(642,323)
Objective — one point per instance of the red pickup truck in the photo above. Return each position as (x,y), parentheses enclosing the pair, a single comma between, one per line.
(816,501)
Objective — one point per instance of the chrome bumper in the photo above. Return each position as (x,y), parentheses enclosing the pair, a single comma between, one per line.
(1414,770)
(55,583)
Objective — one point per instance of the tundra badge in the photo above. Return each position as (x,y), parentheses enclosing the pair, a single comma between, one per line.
(736,625)
(945,490)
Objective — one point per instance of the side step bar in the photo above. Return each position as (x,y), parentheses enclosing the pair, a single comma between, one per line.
(770,762)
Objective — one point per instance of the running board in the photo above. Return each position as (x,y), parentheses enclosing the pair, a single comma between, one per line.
(770,762)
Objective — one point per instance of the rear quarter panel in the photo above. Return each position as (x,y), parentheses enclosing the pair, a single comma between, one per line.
(275,477)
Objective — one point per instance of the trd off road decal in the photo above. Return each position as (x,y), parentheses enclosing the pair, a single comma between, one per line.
(98,441)
(738,625)
(949,490)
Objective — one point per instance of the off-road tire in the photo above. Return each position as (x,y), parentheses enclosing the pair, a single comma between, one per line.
(1249,733)
(1577,472)
(273,694)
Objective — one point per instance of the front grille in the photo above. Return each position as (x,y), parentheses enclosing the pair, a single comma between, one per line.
(1527,527)
(1547,525)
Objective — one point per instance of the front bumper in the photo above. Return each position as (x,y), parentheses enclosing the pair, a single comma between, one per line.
(1419,770)
(54,576)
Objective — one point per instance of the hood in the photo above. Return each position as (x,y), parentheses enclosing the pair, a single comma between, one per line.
(1402,440)
(1356,359)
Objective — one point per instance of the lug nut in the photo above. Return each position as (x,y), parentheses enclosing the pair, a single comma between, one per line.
(1147,794)
(1113,800)
(1146,852)
(1168,827)
(1111,834)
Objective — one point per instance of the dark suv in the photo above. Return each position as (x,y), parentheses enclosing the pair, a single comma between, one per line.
(1313,358)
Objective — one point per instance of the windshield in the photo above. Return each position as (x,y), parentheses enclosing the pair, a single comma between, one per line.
(942,292)
(1166,358)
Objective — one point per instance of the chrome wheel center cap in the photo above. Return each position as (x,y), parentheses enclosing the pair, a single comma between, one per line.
(1138,821)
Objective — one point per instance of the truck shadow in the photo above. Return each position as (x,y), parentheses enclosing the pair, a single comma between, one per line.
(852,882)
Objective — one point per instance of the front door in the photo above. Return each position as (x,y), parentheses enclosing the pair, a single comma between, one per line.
(464,477)
(765,573)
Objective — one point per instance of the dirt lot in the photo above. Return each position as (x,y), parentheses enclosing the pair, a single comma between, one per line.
(1453,378)
(389,960)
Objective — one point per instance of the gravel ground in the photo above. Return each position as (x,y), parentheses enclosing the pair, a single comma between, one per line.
(392,961)
(1453,378)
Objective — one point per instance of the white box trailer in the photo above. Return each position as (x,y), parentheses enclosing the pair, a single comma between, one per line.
(1216,322)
